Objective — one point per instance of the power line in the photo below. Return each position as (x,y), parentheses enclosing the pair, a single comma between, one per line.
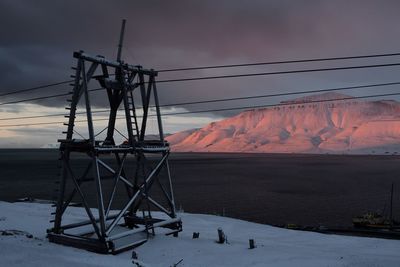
(281,104)
(277,73)
(279,62)
(36,88)
(48,123)
(225,66)
(226,99)
(34,98)
(222,109)
(44,97)
(282,94)
(228,76)
(35,116)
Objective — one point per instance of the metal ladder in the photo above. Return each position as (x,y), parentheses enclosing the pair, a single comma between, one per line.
(132,115)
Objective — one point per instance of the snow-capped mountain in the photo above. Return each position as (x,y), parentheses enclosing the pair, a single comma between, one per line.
(51,145)
(342,126)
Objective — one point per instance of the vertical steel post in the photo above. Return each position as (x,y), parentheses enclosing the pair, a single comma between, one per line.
(171,190)
(121,40)
(60,200)
(146,103)
(114,99)
(100,200)
(92,153)
(64,155)
(157,104)
(87,102)
(161,132)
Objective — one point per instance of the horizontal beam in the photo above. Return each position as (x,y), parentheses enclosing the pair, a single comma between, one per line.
(83,223)
(163,223)
(114,149)
(114,64)
(79,242)
(142,229)
(152,149)
(126,233)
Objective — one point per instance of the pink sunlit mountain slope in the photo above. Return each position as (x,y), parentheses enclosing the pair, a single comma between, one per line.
(350,126)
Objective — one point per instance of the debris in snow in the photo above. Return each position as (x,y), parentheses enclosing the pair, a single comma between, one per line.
(134,255)
(15,232)
(221,236)
(6,233)
(252,244)
(138,263)
(135,260)
(196,235)
(176,264)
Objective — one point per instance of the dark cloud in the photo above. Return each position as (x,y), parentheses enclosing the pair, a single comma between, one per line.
(38,38)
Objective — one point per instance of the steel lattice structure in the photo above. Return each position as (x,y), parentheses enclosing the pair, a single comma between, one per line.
(114,230)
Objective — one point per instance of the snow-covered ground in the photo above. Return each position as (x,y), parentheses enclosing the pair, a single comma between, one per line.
(26,245)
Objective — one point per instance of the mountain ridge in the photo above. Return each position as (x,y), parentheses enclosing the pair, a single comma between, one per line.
(343,126)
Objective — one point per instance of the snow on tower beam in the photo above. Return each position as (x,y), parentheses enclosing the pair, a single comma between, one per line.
(109,228)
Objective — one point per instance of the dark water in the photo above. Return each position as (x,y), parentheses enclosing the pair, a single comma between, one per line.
(266,188)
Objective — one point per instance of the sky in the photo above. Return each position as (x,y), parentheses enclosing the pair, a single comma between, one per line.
(39,37)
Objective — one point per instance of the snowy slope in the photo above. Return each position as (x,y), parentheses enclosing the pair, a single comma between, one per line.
(329,127)
(275,247)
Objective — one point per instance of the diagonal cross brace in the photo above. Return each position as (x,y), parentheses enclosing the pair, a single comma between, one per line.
(134,197)
(85,204)
(108,168)
(117,178)
(80,181)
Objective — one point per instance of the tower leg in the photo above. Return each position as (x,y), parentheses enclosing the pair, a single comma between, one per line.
(171,190)
(100,198)
(60,201)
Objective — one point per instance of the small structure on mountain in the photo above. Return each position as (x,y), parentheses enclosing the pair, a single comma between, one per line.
(125,183)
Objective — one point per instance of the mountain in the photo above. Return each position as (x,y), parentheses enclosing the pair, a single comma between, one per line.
(51,146)
(342,126)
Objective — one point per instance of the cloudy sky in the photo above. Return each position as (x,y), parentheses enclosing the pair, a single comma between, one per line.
(39,37)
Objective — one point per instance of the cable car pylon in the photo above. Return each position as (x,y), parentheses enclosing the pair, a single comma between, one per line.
(105,228)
